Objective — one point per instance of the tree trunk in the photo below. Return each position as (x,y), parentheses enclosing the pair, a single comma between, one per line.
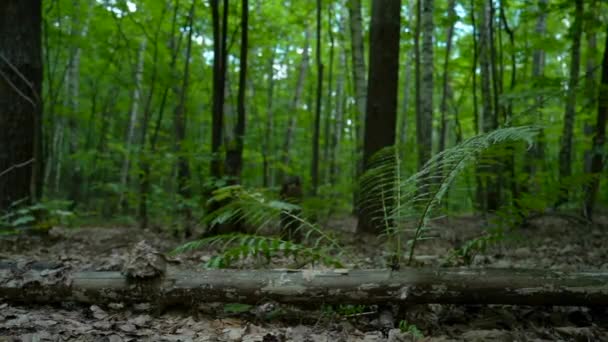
(381,116)
(269,130)
(234,153)
(144,179)
(44,283)
(133,113)
(452,18)
(75,173)
(565,150)
(295,104)
(490,190)
(599,139)
(179,125)
(358,60)
(317,124)
(590,91)
(535,155)
(219,83)
(336,138)
(329,107)
(20,101)
(424,127)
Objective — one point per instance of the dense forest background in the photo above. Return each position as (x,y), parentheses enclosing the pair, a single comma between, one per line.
(151,105)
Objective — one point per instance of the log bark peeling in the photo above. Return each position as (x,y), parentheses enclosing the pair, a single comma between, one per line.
(40,283)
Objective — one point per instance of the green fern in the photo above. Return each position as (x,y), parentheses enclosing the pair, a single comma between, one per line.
(403,200)
(257,210)
(235,247)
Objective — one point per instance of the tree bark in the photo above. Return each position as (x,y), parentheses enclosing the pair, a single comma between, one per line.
(267,147)
(179,126)
(133,114)
(358,60)
(317,124)
(295,104)
(535,155)
(234,153)
(599,139)
(144,179)
(490,195)
(219,82)
(424,127)
(40,283)
(452,18)
(20,101)
(565,150)
(381,116)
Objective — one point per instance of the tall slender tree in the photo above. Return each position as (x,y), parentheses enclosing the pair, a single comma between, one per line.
(220,58)
(317,124)
(20,101)
(424,122)
(381,115)
(599,139)
(180,124)
(565,149)
(234,153)
(535,154)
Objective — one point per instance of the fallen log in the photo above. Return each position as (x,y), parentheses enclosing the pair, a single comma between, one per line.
(41,283)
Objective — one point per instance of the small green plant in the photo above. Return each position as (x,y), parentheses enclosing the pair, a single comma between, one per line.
(39,216)
(418,198)
(406,327)
(465,254)
(255,209)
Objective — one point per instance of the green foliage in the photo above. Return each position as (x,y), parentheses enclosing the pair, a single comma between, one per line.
(406,327)
(39,216)
(419,196)
(257,210)
(237,308)
(237,247)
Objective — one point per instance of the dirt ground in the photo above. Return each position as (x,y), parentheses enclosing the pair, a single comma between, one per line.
(547,243)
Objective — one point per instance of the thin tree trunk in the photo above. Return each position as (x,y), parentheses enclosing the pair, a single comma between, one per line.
(515,193)
(535,155)
(480,187)
(599,139)
(336,138)
(489,200)
(219,82)
(295,104)
(268,147)
(144,180)
(134,112)
(452,18)
(329,110)
(317,127)
(234,154)
(424,127)
(358,61)
(590,82)
(565,151)
(180,124)
(407,84)
(73,99)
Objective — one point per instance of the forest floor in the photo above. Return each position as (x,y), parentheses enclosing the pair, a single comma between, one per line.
(546,243)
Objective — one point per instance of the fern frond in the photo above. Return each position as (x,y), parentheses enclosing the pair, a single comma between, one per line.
(235,247)
(407,200)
